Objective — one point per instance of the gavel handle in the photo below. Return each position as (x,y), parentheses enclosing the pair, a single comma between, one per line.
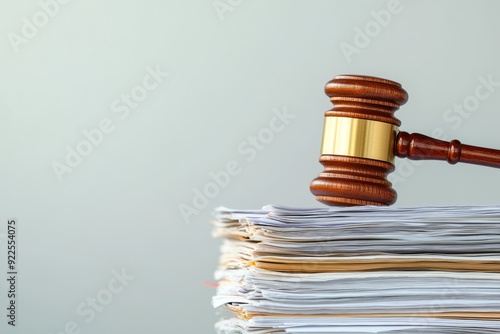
(419,147)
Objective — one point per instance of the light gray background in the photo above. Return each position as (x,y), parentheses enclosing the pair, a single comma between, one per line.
(119,209)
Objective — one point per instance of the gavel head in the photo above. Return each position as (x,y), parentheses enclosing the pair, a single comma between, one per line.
(358,144)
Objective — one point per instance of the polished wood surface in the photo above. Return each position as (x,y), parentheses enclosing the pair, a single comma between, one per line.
(354,180)
(419,147)
(365,97)
(348,181)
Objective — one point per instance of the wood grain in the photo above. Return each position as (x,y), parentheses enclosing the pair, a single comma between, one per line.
(350,180)
(416,146)
(347,181)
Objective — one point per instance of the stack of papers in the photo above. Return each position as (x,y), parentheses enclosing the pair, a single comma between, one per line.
(359,270)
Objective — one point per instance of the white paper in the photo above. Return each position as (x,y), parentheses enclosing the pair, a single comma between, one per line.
(292,298)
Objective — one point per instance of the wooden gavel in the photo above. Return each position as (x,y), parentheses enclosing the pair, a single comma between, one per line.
(361,140)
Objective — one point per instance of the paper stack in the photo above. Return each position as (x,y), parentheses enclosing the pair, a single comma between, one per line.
(359,270)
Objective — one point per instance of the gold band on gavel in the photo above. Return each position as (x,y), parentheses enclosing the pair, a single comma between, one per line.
(362,138)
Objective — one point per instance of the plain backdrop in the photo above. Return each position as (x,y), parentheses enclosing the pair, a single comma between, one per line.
(68,68)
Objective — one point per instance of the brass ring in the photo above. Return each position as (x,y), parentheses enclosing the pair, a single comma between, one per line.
(360,138)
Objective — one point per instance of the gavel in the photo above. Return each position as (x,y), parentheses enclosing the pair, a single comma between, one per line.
(361,140)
